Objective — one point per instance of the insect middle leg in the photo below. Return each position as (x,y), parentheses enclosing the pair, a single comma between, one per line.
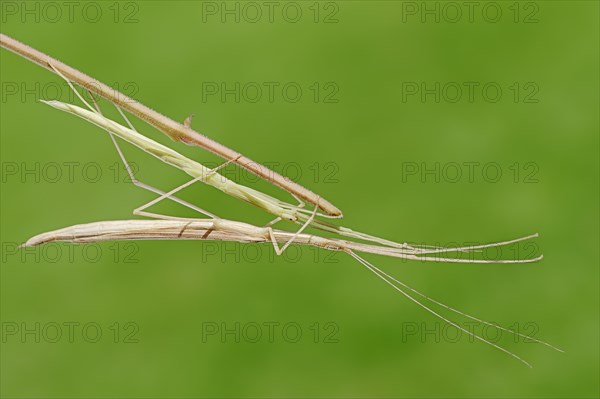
(128,168)
(279,251)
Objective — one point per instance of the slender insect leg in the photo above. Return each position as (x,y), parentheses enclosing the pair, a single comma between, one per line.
(145,186)
(280,251)
(211,172)
(140,210)
(120,152)
(75,90)
(224,164)
(301,203)
(132,177)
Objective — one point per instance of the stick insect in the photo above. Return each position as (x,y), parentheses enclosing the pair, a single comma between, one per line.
(227,230)
(280,209)
(172,227)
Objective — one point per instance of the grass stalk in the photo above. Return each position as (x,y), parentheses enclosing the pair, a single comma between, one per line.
(175,130)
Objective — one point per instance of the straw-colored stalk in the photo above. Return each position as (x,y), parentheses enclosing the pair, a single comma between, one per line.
(228,230)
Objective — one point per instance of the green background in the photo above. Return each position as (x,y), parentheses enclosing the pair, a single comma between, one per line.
(369,134)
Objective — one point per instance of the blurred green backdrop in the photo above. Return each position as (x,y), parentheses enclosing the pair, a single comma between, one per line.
(369,113)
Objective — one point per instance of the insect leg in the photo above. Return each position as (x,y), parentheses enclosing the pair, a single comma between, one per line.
(278,250)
